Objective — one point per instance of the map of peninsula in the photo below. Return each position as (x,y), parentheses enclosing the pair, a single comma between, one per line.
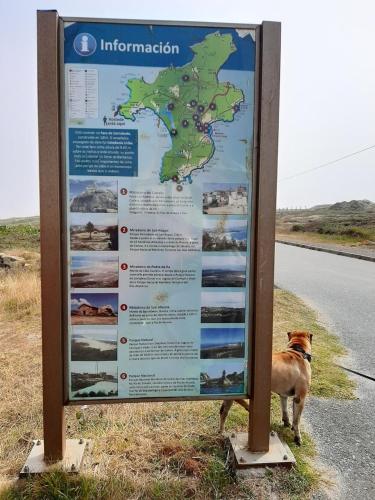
(189,99)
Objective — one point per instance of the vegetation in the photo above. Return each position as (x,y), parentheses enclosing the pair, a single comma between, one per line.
(212,241)
(90,228)
(30,221)
(347,223)
(20,236)
(144,450)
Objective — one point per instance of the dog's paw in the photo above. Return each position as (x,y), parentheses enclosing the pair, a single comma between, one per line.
(298,440)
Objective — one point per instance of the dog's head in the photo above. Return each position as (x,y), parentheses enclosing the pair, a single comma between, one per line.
(303,339)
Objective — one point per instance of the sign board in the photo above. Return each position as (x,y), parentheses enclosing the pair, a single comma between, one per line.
(158,124)
(158,150)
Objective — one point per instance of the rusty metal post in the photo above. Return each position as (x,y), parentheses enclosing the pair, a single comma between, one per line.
(266,160)
(50,229)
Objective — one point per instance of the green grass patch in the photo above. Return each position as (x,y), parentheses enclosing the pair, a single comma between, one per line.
(57,485)
(25,236)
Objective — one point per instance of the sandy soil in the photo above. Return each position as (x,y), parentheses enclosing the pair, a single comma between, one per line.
(94,320)
(81,241)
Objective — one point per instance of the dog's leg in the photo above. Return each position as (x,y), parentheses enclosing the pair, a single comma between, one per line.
(298,404)
(224,410)
(284,410)
(243,403)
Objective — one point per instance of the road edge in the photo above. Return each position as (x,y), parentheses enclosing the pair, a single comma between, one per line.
(327,250)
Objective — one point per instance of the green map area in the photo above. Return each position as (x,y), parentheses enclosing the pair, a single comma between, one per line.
(188,99)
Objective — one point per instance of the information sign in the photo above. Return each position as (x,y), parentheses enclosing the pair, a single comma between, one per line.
(158,125)
(157,159)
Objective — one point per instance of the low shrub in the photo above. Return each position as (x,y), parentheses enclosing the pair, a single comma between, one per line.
(298,228)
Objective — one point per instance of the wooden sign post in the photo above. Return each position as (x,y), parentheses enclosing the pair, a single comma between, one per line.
(217,99)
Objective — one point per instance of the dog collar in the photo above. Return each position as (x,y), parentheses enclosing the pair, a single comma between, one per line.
(305,354)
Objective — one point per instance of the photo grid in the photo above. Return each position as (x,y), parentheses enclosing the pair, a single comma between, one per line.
(94,287)
(223,293)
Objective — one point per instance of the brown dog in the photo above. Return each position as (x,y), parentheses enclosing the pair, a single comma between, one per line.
(291,377)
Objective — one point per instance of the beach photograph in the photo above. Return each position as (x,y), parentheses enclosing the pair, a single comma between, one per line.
(94,271)
(93,196)
(223,234)
(93,231)
(222,307)
(224,271)
(225,198)
(218,343)
(99,344)
(94,380)
(94,308)
(223,377)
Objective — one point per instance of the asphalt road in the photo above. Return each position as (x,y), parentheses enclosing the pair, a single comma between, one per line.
(342,291)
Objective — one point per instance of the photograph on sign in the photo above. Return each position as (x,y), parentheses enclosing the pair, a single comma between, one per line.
(158,151)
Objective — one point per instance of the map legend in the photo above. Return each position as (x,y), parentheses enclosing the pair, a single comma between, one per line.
(83,93)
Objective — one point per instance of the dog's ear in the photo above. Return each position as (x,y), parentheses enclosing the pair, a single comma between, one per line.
(289,335)
(311,336)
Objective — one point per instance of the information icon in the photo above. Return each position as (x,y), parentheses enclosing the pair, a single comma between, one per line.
(84,44)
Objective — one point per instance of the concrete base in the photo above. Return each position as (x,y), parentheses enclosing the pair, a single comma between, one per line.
(72,461)
(278,454)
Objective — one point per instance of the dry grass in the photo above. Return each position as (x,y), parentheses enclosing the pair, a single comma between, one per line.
(19,295)
(355,227)
(32,257)
(311,238)
(144,450)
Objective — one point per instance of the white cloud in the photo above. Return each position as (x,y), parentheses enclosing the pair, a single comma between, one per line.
(80,301)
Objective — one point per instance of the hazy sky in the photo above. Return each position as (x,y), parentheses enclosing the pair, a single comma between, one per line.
(327,105)
(223,299)
(230,262)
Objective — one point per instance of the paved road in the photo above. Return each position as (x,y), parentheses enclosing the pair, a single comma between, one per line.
(342,290)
